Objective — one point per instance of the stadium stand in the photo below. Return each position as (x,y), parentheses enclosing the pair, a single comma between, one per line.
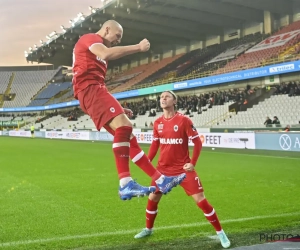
(27,83)
(64,97)
(120,78)
(202,109)
(198,61)
(24,120)
(185,65)
(203,64)
(50,91)
(6,118)
(261,57)
(32,88)
(149,70)
(169,72)
(284,104)
(205,110)
(4,81)
(281,106)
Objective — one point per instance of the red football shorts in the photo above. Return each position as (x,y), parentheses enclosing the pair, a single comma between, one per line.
(100,105)
(191,184)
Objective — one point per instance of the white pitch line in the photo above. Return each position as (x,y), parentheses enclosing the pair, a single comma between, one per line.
(266,156)
(133,231)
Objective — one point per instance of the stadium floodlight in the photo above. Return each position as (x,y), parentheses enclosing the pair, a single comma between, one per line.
(41,41)
(72,22)
(35,46)
(63,29)
(30,48)
(93,10)
(26,53)
(81,16)
(52,35)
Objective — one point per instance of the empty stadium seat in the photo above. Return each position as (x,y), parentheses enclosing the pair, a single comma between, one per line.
(26,84)
(284,107)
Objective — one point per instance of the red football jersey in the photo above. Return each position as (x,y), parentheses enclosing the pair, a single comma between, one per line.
(88,68)
(174,135)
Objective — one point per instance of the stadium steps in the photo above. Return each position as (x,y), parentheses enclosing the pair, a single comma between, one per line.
(11,80)
(1,100)
(219,119)
(58,95)
(7,91)
(260,96)
(42,89)
(148,72)
(28,122)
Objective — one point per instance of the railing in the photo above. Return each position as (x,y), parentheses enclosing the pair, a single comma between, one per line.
(219,118)
(289,52)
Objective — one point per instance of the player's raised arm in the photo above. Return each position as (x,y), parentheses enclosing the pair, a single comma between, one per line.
(117,52)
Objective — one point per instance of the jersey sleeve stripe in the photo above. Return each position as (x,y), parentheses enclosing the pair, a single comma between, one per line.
(193,137)
(155,139)
(93,45)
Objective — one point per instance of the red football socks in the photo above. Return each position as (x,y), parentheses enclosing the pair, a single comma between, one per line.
(151,212)
(121,150)
(210,214)
(138,156)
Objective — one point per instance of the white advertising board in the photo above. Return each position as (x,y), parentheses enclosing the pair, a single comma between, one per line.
(67,135)
(216,140)
(19,133)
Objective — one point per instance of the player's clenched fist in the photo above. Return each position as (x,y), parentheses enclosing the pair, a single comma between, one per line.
(144,45)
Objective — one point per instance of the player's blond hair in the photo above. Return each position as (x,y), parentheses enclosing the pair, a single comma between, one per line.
(173,94)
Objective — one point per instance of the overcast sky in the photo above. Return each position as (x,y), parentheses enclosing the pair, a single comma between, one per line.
(24,23)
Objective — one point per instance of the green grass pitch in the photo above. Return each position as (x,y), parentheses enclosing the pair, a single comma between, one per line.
(58,194)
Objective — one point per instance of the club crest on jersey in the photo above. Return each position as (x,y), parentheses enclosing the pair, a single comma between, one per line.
(112,109)
(160,126)
(175,128)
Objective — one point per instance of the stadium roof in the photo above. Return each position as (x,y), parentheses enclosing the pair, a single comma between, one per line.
(164,22)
